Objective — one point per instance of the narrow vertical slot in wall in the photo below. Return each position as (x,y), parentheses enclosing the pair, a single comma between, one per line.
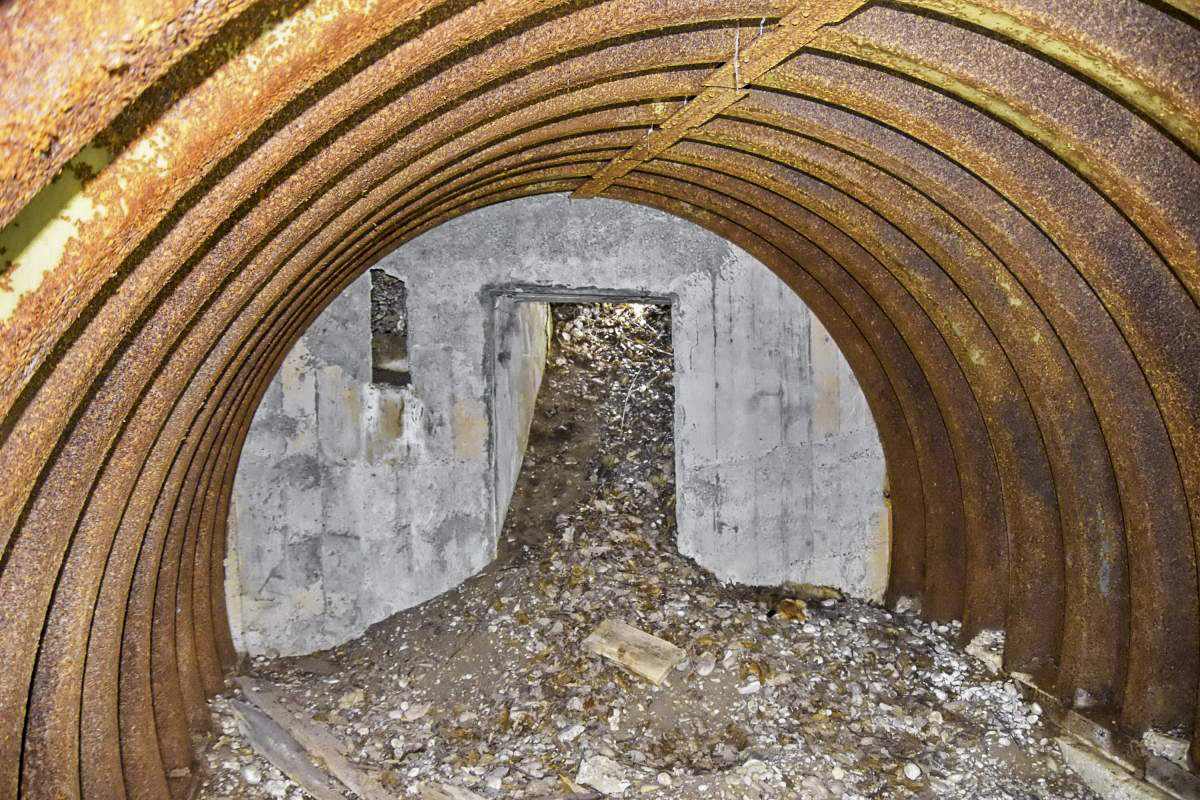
(389,330)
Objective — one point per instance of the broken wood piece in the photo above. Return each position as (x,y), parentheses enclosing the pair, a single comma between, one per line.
(318,741)
(276,745)
(641,653)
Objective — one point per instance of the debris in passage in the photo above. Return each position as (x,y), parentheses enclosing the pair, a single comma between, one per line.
(489,688)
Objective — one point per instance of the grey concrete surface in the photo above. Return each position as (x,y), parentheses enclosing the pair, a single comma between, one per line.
(354,500)
(521,333)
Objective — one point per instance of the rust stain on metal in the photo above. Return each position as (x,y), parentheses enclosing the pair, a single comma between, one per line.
(775,45)
(991,207)
(724,87)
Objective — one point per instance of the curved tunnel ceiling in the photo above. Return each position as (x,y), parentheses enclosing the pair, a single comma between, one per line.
(991,204)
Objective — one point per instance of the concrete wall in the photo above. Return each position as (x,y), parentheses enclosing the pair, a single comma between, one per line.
(778,463)
(521,334)
(353,500)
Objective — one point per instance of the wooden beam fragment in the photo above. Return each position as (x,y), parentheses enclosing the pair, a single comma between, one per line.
(781,41)
(702,108)
(271,741)
(318,741)
(641,653)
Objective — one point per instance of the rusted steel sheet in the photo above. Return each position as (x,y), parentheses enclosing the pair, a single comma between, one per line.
(724,87)
(1044,104)
(696,112)
(53,106)
(1153,83)
(936,193)
(1116,263)
(774,45)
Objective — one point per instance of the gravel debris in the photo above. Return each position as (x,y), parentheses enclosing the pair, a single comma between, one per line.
(791,692)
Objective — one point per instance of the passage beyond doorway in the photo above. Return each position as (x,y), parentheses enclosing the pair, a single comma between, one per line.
(603,424)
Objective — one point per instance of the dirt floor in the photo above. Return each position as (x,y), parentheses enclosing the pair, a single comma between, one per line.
(488,691)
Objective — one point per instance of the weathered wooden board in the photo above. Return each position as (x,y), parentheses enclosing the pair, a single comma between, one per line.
(319,741)
(641,653)
(272,742)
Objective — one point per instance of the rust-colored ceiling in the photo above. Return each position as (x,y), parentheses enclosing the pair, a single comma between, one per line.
(991,204)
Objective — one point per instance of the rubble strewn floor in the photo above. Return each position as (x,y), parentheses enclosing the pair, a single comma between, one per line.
(489,687)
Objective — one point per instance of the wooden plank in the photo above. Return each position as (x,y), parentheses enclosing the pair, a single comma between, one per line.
(276,745)
(641,653)
(319,741)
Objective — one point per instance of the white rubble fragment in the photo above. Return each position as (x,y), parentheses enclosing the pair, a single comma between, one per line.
(572,733)
(445,791)
(416,711)
(904,605)
(494,780)
(988,647)
(912,771)
(749,772)
(705,664)
(1163,745)
(1103,776)
(252,775)
(602,774)
(779,679)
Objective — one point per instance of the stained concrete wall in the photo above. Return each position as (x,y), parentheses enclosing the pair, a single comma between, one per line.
(354,500)
(521,334)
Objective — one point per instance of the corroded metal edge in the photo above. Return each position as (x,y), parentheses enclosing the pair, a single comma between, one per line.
(988,208)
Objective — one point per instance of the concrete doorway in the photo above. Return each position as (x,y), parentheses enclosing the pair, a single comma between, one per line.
(603,421)
(368,482)
(556,376)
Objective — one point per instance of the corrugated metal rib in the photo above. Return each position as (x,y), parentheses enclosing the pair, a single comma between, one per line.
(991,205)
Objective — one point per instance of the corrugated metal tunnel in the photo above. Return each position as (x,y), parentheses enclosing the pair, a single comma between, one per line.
(992,205)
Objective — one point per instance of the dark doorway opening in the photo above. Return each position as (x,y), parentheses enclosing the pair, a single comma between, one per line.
(602,431)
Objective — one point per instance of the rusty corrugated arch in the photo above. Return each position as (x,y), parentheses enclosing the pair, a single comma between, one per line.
(993,205)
